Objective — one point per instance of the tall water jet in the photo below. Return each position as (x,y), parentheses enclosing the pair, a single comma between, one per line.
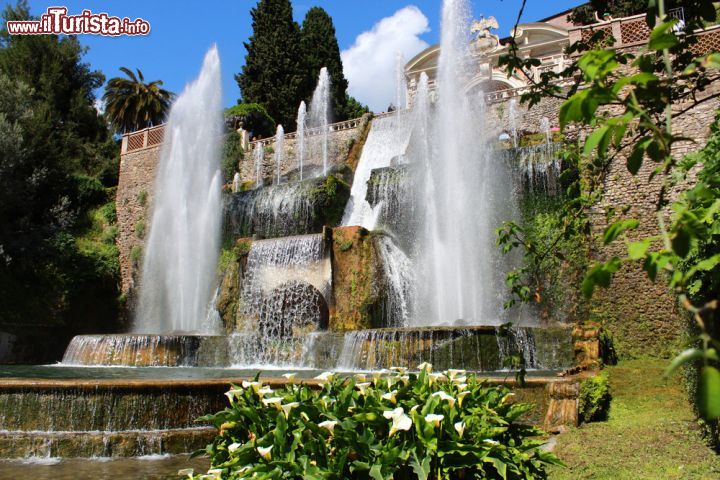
(513,120)
(545,128)
(400,84)
(236,182)
(301,119)
(259,156)
(320,113)
(178,271)
(279,151)
(466,194)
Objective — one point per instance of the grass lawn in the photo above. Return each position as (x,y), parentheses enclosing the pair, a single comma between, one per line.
(650,433)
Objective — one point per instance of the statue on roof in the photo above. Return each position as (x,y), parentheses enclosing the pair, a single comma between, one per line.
(484,39)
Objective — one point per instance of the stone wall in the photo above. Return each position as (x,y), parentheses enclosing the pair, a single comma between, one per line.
(134,200)
(641,316)
(339,144)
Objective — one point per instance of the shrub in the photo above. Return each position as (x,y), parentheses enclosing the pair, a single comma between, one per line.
(232,154)
(595,398)
(395,426)
(254,117)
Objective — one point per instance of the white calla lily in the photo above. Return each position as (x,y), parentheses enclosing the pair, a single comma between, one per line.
(232,393)
(188,472)
(254,385)
(362,387)
(234,446)
(460,428)
(453,372)
(425,367)
(462,386)
(491,442)
(461,396)
(444,397)
(434,419)
(287,408)
(329,424)
(360,377)
(290,376)
(400,370)
(274,401)
(265,452)
(459,380)
(436,377)
(400,421)
(265,391)
(390,396)
(325,376)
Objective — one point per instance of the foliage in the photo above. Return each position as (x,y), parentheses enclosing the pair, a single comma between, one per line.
(626,103)
(254,118)
(320,49)
(131,104)
(354,109)
(57,166)
(273,74)
(421,426)
(232,155)
(595,397)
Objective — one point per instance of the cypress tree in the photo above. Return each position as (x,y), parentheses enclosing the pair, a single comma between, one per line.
(272,75)
(320,49)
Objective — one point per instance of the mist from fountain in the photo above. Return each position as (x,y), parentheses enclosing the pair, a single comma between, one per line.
(513,121)
(320,114)
(301,120)
(400,84)
(466,193)
(545,128)
(178,273)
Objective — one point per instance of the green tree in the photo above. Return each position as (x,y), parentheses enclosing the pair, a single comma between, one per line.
(254,118)
(131,104)
(320,49)
(353,108)
(57,159)
(272,75)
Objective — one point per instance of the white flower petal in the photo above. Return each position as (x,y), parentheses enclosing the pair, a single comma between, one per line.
(460,428)
(265,452)
(434,419)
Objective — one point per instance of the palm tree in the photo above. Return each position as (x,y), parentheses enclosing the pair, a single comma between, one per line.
(131,104)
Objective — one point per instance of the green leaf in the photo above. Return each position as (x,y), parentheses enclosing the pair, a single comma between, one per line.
(681,242)
(499,465)
(597,64)
(637,250)
(376,472)
(684,357)
(708,393)
(594,140)
(615,229)
(599,275)
(662,36)
(421,468)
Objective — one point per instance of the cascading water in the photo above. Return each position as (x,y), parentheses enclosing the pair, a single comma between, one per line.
(320,115)
(466,194)
(400,84)
(399,282)
(539,168)
(283,299)
(545,128)
(388,139)
(279,151)
(301,120)
(259,156)
(178,272)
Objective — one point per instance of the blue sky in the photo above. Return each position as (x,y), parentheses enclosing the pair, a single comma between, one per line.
(182,31)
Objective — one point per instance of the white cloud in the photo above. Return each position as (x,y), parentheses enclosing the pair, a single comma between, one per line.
(370,63)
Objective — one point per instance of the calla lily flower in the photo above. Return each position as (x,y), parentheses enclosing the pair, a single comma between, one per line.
(507,398)
(360,377)
(434,419)
(362,387)
(215,472)
(290,376)
(329,424)
(460,397)
(452,373)
(444,397)
(288,407)
(462,386)
(230,394)
(186,472)
(390,396)
(400,421)
(255,385)
(265,452)
(436,377)
(274,401)
(459,380)
(325,376)
(491,442)
(233,447)
(265,391)
(460,428)
(400,370)
(425,367)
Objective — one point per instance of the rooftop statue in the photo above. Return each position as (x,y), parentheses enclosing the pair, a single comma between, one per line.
(484,39)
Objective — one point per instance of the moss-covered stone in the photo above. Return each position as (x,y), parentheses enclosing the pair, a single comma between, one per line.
(354,267)
(233,261)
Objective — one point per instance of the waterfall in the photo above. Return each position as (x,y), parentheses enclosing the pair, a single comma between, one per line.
(538,168)
(301,119)
(320,114)
(466,193)
(259,156)
(388,139)
(279,151)
(236,182)
(178,272)
(283,298)
(399,281)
